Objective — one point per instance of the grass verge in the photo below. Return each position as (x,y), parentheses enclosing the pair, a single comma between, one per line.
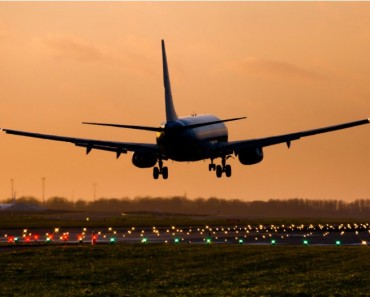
(185,270)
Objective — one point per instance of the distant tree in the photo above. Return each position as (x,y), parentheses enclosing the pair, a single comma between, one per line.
(80,205)
(26,199)
(59,203)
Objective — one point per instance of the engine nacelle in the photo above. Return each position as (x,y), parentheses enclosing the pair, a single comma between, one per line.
(144,160)
(250,156)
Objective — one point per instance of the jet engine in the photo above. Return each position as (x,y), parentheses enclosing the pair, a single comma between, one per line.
(250,156)
(144,160)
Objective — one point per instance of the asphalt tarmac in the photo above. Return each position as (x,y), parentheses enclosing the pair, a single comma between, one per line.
(313,235)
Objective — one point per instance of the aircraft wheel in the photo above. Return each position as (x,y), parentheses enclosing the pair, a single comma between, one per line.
(218,171)
(155,172)
(228,170)
(165,172)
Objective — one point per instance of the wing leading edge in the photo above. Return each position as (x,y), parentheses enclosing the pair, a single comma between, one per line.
(111,146)
(237,146)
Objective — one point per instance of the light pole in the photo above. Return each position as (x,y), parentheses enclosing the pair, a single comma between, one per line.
(12,189)
(94,191)
(43,190)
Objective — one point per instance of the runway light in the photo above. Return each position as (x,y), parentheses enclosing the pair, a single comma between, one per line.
(177,240)
(305,242)
(48,239)
(112,240)
(364,242)
(241,241)
(144,240)
(94,237)
(338,242)
(209,240)
(273,241)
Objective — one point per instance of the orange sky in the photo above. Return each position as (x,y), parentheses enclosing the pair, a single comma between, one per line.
(286,66)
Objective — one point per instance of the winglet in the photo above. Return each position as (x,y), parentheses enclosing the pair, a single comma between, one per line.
(170,109)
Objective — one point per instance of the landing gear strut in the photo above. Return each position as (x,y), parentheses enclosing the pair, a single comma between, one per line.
(160,170)
(221,168)
(212,166)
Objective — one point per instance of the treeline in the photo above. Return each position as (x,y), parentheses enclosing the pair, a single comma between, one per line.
(212,206)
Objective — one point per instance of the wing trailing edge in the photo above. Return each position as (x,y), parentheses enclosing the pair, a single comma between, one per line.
(237,146)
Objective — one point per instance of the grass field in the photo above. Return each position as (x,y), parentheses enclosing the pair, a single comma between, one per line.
(185,270)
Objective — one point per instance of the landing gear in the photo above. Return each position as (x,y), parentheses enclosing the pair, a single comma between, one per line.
(160,170)
(165,172)
(219,171)
(212,166)
(227,170)
(155,172)
(221,168)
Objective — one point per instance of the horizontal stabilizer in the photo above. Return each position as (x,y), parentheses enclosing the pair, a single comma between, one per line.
(209,123)
(160,129)
(155,129)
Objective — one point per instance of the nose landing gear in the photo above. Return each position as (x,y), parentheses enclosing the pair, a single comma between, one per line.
(160,170)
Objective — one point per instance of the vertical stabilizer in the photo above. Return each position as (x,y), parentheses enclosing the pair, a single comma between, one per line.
(170,109)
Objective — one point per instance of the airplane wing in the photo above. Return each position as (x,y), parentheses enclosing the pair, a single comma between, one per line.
(111,146)
(237,146)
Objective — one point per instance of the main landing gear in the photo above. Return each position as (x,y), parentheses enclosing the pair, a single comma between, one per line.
(221,168)
(160,170)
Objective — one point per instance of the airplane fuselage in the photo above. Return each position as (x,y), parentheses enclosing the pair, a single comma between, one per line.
(191,144)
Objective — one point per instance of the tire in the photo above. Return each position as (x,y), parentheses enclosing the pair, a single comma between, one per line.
(165,172)
(211,167)
(218,171)
(228,170)
(155,172)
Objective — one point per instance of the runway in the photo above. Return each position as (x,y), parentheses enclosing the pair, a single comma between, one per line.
(313,235)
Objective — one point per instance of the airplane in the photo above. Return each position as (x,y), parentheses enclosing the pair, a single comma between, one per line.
(186,139)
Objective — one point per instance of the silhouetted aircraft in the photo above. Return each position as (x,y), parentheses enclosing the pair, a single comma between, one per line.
(185,139)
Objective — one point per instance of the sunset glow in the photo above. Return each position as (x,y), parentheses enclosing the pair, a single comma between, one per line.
(285,66)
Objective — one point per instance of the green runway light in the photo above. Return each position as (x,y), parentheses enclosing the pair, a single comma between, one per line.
(241,241)
(16,239)
(112,240)
(144,240)
(305,242)
(48,239)
(209,240)
(338,242)
(273,242)
(177,240)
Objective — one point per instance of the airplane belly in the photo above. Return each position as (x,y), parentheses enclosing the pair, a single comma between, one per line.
(187,151)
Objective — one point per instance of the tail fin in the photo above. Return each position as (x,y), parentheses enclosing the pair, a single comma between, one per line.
(170,109)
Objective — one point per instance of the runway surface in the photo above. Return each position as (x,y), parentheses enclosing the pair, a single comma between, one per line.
(314,235)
